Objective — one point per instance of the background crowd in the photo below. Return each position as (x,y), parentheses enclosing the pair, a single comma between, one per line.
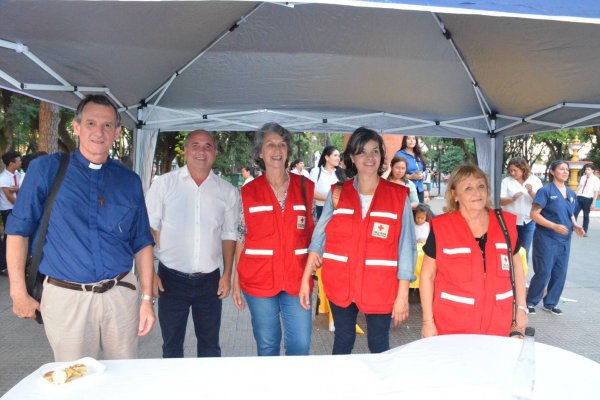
(357,219)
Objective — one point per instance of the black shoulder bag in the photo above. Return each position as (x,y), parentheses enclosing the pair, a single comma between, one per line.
(33,279)
(513,325)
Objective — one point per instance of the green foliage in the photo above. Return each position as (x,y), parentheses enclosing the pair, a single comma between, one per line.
(21,118)
(301,146)
(234,151)
(452,152)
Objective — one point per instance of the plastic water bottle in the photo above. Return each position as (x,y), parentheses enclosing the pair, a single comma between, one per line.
(524,375)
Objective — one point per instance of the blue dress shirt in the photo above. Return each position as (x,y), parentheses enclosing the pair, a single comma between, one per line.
(413,166)
(98,220)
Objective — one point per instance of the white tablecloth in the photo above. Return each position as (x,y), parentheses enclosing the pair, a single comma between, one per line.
(444,367)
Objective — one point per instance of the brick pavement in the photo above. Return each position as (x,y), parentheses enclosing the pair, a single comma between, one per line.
(23,345)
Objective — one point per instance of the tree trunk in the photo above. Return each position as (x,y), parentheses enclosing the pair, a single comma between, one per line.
(7,137)
(49,118)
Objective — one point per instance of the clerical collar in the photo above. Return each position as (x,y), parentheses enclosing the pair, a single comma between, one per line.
(94,166)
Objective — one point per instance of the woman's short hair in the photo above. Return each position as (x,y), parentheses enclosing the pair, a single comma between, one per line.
(356,144)
(395,161)
(259,138)
(459,174)
(522,164)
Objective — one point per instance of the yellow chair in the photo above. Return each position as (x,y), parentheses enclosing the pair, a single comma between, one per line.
(324,305)
(420,255)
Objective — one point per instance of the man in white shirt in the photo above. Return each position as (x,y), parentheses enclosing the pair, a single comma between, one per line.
(9,187)
(193,215)
(587,194)
(247,174)
(298,168)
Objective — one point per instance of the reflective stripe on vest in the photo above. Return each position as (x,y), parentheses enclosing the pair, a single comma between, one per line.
(259,209)
(382,263)
(299,208)
(348,211)
(383,214)
(458,250)
(335,257)
(458,299)
(300,251)
(503,296)
(258,252)
(501,246)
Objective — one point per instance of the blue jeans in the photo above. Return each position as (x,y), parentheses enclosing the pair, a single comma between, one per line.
(585,204)
(266,324)
(550,262)
(183,292)
(525,235)
(378,329)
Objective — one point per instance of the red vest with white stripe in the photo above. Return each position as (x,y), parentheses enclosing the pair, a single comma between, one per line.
(360,261)
(275,248)
(470,297)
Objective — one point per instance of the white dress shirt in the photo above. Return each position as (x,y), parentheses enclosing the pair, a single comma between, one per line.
(592,185)
(7,180)
(322,183)
(192,220)
(521,207)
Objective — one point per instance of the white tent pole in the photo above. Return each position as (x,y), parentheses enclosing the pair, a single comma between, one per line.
(483,104)
(240,21)
(10,79)
(120,105)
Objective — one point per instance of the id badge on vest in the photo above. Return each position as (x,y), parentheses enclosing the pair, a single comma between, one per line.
(301,222)
(505,262)
(380,230)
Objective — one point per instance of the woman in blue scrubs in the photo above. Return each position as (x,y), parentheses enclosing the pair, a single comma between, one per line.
(552,212)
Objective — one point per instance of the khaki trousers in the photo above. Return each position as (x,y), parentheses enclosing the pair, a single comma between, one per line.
(82,324)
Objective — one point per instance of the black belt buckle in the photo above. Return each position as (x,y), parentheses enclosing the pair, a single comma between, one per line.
(103,287)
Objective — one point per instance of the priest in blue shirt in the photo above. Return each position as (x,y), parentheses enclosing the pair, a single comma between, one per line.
(98,225)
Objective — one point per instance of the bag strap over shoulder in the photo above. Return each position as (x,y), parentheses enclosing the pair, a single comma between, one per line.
(335,194)
(37,253)
(511,264)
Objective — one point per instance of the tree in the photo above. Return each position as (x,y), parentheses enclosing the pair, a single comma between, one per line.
(522,146)
(49,117)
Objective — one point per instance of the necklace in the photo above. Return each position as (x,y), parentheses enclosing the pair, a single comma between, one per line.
(279,193)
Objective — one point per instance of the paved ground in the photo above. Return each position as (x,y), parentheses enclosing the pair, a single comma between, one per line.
(23,345)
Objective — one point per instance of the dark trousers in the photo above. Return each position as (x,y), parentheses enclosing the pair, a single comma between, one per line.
(378,330)
(183,292)
(585,204)
(5,214)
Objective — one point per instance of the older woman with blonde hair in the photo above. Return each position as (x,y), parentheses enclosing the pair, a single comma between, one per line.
(465,278)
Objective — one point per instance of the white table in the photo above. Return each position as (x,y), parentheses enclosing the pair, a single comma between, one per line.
(444,367)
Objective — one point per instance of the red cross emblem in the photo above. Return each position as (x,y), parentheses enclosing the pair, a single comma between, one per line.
(380,227)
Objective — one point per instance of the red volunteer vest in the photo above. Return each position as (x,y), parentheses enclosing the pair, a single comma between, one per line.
(276,244)
(360,261)
(470,297)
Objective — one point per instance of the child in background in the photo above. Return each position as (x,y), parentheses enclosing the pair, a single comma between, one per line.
(422,217)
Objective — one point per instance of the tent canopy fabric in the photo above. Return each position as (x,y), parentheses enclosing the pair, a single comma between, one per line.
(477,69)
(314,66)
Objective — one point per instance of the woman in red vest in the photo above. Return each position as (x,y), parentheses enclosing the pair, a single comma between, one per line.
(365,243)
(465,277)
(275,230)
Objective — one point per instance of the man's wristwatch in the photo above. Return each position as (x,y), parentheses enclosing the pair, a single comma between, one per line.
(149,298)
(523,308)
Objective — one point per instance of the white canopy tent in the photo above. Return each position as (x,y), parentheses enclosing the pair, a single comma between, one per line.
(482,69)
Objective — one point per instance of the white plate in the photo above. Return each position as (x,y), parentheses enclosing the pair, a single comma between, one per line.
(93,367)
